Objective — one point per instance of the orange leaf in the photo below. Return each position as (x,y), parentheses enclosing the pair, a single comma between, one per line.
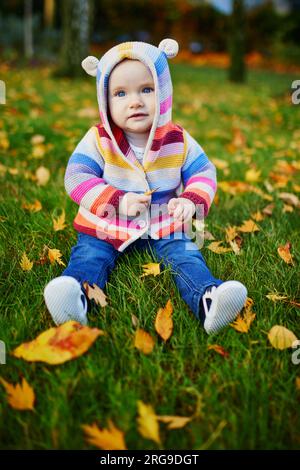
(248,226)
(143,341)
(60,344)
(59,223)
(218,349)
(163,321)
(174,422)
(106,439)
(285,254)
(20,397)
(55,255)
(95,293)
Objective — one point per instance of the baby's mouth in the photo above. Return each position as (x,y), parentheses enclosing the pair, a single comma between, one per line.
(138,115)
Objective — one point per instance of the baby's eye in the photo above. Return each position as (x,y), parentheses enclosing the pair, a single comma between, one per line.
(117,93)
(148,88)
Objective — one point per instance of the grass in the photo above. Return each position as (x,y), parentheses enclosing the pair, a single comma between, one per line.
(247,401)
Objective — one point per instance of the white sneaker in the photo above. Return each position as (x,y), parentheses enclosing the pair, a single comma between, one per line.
(222,304)
(65,300)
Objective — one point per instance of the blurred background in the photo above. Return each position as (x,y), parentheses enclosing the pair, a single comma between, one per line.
(259,33)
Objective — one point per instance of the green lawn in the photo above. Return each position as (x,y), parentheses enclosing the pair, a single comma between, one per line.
(246,401)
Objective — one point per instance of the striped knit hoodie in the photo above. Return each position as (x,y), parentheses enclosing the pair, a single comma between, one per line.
(103,167)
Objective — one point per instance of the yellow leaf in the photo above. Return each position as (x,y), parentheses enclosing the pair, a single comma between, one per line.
(220,164)
(243,323)
(42,175)
(151,268)
(274,297)
(281,338)
(106,439)
(147,422)
(248,226)
(59,223)
(252,176)
(143,341)
(20,397)
(55,255)
(216,248)
(34,207)
(95,293)
(25,263)
(164,322)
(60,344)
(285,254)
(38,151)
(257,216)
(174,422)
(230,233)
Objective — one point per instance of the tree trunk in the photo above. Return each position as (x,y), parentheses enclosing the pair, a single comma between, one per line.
(236,43)
(49,7)
(28,41)
(76,20)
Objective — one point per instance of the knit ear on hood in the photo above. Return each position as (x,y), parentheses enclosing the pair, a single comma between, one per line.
(90,64)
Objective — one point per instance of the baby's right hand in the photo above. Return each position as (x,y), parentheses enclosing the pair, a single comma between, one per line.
(133,204)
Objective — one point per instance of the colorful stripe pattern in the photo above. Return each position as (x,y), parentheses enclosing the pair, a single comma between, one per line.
(103,167)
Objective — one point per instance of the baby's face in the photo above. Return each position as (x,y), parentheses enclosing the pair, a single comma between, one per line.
(131,91)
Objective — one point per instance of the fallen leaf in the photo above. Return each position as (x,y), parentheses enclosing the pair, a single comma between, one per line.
(106,439)
(34,207)
(218,349)
(143,341)
(148,422)
(175,422)
(37,139)
(274,297)
(60,344)
(230,233)
(285,254)
(164,322)
(257,216)
(252,176)
(281,338)
(151,268)
(55,255)
(243,323)
(59,223)
(42,175)
(95,293)
(134,321)
(248,226)
(216,248)
(290,199)
(268,210)
(25,263)
(19,396)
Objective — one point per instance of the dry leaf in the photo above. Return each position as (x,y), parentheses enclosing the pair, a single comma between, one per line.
(274,297)
(35,207)
(143,341)
(148,422)
(174,422)
(106,439)
(281,338)
(151,268)
(60,344)
(54,255)
(252,176)
(25,263)
(19,396)
(268,210)
(285,254)
(216,248)
(297,383)
(257,216)
(230,233)
(42,175)
(248,226)
(164,322)
(290,199)
(95,293)
(243,323)
(59,223)
(218,349)
(134,321)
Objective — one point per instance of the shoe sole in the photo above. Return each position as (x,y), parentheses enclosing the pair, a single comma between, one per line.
(226,306)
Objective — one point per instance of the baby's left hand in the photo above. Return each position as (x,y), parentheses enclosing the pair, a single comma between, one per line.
(181,209)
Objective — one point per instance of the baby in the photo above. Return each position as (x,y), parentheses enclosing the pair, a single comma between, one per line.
(139,179)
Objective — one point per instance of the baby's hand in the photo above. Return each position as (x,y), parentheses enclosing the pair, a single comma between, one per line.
(133,204)
(181,209)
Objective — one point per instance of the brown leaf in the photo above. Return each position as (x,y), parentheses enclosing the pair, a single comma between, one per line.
(285,254)
(34,207)
(106,439)
(218,349)
(290,199)
(143,341)
(60,344)
(19,396)
(268,210)
(164,322)
(95,293)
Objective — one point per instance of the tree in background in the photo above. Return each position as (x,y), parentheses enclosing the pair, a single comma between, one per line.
(236,42)
(76,29)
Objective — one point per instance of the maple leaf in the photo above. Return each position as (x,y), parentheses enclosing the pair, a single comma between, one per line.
(106,439)
(218,349)
(60,344)
(281,338)
(95,293)
(143,341)
(248,226)
(59,223)
(164,322)
(285,254)
(25,263)
(148,422)
(34,207)
(19,396)
(55,255)
(151,268)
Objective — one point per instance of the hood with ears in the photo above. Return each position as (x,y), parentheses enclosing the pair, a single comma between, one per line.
(155,58)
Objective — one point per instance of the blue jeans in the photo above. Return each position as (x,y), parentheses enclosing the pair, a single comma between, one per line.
(93,259)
